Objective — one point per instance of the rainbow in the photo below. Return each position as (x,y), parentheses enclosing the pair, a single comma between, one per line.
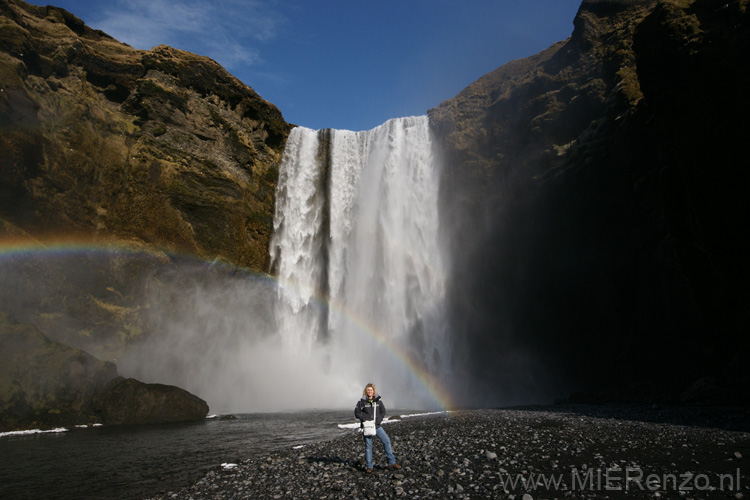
(29,247)
(437,392)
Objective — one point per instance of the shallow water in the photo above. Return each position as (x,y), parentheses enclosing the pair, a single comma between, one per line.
(136,462)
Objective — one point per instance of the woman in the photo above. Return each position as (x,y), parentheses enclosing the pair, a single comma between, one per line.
(365,410)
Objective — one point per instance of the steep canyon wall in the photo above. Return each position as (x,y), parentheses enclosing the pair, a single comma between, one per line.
(114,162)
(593,198)
(596,194)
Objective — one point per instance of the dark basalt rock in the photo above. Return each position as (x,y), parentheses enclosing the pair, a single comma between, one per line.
(44,383)
(128,401)
(595,194)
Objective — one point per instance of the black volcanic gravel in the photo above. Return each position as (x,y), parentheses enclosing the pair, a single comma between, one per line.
(480,453)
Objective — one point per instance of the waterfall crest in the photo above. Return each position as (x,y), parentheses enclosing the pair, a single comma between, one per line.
(357,252)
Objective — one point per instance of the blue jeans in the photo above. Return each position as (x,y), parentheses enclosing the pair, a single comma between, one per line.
(380,434)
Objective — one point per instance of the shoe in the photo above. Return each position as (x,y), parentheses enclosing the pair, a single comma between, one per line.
(394,466)
(369,470)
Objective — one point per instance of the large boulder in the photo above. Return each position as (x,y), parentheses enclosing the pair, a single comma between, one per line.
(44,383)
(129,401)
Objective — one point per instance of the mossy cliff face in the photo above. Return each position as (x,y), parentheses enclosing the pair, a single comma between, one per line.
(144,154)
(597,193)
(103,141)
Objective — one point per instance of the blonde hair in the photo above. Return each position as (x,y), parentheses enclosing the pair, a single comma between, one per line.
(374,390)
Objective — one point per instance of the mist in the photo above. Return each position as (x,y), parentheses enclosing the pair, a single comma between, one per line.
(375,280)
(215,335)
(359,296)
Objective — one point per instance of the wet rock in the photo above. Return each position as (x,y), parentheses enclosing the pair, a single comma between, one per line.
(129,401)
(48,384)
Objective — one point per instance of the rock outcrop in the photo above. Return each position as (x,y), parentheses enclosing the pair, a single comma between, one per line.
(144,154)
(598,192)
(128,402)
(44,383)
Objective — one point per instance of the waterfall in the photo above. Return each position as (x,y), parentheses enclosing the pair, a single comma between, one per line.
(357,252)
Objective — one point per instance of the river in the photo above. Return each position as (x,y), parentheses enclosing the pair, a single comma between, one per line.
(122,462)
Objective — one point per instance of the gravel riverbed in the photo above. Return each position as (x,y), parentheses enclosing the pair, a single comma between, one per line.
(514,454)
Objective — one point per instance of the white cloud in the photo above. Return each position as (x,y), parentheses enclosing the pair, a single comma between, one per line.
(228,31)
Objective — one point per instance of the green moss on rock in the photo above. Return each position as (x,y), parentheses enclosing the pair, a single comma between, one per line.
(91,115)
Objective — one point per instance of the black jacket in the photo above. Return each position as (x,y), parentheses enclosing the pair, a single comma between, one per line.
(365,408)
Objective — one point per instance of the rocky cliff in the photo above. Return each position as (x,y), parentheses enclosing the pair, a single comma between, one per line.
(594,193)
(105,142)
(143,154)
(597,193)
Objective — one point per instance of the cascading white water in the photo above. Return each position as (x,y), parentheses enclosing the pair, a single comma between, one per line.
(297,224)
(356,229)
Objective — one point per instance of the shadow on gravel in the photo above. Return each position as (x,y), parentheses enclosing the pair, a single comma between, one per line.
(726,418)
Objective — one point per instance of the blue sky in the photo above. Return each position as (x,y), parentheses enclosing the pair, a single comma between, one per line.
(341,64)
